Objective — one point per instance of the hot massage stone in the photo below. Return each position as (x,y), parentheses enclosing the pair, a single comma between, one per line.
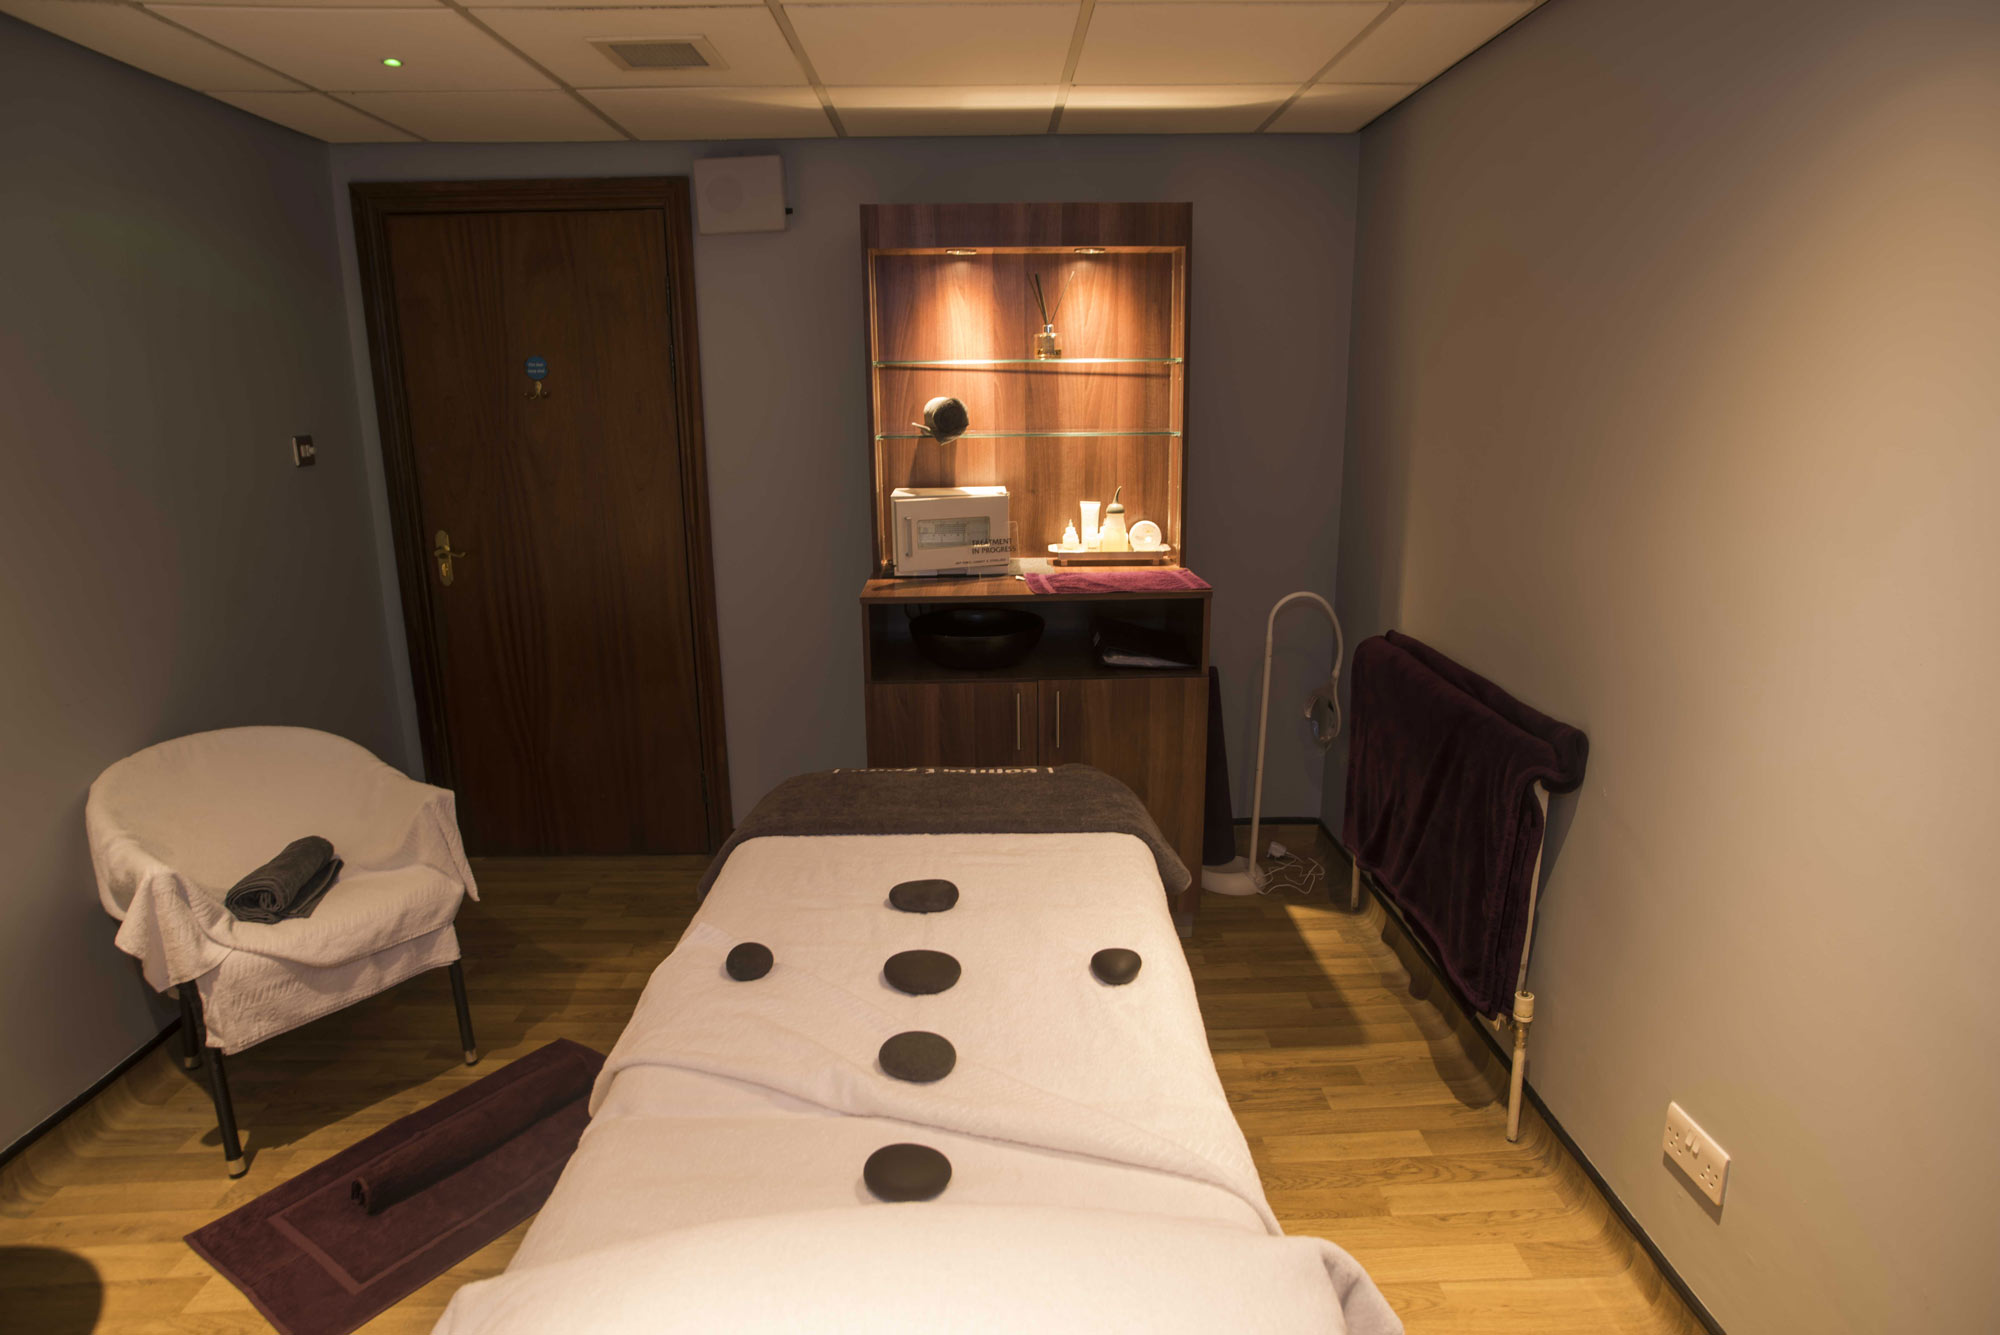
(1116,966)
(748,961)
(932,896)
(920,972)
(906,1173)
(918,1057)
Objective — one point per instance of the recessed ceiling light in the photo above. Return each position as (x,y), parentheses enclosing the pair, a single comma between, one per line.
(392,62)
(1090,250)
(960,250)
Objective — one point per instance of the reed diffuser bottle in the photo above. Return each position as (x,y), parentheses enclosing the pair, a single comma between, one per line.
(1048,343)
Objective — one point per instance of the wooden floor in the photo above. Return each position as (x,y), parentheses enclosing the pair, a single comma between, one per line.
(1371,1123)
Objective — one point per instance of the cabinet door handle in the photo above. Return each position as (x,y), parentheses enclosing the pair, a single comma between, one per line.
(1058,720)
(1017,720)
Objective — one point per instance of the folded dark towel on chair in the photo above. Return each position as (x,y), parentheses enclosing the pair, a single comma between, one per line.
(290,885)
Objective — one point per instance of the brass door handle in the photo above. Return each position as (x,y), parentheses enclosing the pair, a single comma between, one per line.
(444,556)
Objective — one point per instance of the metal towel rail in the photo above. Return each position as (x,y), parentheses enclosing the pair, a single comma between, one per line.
(1524,1000)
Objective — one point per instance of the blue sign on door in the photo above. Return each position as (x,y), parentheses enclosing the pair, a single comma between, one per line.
(538,368)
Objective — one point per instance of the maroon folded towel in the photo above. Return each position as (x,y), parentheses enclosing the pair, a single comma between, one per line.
(435,1154)
(1135,579)
(1441,771)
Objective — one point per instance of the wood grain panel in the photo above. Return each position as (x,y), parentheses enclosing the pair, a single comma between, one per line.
(1045,479)
(1119,305)
(560,948)
(953,723)
(1151,733)
(566,641)
(893,226)
(1128,302)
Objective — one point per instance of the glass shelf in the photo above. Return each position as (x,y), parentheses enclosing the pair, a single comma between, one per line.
(1044,363)
(1011,435)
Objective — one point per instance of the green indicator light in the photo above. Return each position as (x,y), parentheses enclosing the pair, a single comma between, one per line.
(392,62)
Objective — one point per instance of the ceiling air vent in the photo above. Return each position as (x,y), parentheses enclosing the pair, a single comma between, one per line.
(661,53)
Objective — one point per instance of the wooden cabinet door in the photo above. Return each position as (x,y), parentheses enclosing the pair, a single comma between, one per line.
(1151,732)
(953,723)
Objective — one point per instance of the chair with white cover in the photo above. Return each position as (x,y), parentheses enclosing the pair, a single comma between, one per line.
(173,827)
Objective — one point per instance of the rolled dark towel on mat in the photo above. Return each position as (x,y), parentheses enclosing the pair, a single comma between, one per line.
(466,1137)
(290,885)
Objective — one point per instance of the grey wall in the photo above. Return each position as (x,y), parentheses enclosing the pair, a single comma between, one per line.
(1674,413)
(170,314)
(783,351)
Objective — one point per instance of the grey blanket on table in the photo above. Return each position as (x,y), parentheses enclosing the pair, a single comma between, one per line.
(1070,799)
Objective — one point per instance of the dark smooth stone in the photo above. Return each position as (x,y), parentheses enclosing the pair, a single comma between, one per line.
(1116,966)
(906,1173)
(920,972)
(923,896)
(748,961)
(918,1057)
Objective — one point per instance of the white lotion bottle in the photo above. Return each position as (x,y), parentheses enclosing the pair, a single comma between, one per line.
(1111,537)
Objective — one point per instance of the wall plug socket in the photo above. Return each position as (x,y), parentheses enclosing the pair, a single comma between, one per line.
(1695,1153)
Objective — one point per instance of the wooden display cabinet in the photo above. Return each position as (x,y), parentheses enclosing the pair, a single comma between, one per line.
(950,312)
(1144,726)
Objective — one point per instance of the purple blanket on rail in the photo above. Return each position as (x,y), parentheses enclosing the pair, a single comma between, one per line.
(1441,807)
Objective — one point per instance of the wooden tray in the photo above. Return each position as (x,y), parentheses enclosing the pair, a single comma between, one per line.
(1157,556)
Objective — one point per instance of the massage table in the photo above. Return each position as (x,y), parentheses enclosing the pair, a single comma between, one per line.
(1098,1180)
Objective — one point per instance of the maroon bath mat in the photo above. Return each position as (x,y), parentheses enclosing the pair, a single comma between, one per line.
(314,1261)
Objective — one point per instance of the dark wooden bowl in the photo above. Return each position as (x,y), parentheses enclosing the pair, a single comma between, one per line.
(971,638)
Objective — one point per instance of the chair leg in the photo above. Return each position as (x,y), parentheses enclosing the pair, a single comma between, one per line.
(190,1028)
(457,972)
(218,1085)
(225,1117)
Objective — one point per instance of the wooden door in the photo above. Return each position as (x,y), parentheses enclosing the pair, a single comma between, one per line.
(542,386)
(953,723)
(1150,732)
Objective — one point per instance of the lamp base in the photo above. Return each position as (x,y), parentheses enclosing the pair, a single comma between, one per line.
(1230,878)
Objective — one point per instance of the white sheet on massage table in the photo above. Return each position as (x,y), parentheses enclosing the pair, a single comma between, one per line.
(672,1147)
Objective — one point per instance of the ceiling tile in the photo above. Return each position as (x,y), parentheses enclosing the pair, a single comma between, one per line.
(342,50)
(754,51)
(927,45)
(1172,108)
(1340,108)
(945,110)
(1205,43)
(317,115)
(716,113)
(151,44)
(492,118)
(1420,41)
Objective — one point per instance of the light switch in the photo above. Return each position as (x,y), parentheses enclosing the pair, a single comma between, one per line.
(303,455)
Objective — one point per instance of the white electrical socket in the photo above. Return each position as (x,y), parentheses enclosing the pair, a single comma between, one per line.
(1696,1153)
